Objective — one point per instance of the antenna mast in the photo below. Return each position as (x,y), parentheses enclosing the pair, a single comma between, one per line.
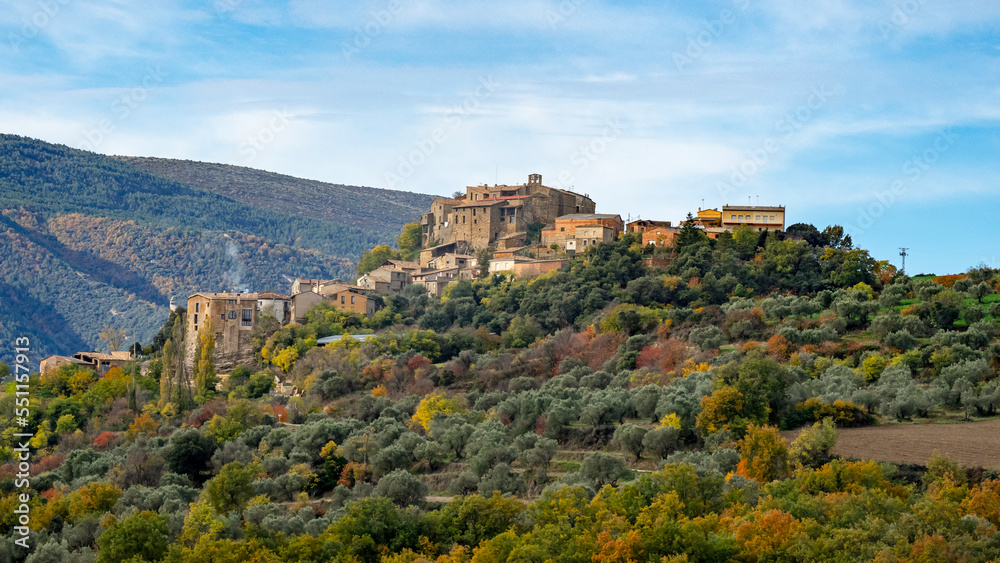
(903,253)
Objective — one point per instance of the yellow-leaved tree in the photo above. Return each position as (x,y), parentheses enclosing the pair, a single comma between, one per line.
(763,454)
(434,404)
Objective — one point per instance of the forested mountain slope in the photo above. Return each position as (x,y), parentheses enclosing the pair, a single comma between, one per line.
(88,240)
(368,209)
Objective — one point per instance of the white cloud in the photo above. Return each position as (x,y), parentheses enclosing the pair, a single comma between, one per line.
(682,133)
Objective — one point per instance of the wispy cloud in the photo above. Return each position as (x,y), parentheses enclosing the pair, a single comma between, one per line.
(273,77)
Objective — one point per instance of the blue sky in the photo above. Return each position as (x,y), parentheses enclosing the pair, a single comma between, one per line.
(880,115)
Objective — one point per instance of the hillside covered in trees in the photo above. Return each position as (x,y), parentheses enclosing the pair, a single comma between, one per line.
(366,209)
(88,240)
(626,408)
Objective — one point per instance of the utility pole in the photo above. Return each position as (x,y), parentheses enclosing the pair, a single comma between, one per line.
(902,252)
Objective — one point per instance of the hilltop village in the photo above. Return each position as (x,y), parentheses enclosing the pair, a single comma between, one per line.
(637,376)
(520,230)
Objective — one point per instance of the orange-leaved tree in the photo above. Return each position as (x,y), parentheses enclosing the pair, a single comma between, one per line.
(763,454)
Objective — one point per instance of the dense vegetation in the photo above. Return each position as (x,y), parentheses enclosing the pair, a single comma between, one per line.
(606,412)
(88,240)
(366,209)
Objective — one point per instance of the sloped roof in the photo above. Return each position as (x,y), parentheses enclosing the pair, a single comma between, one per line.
(579,216)
(481,203)
(123,356)
(402,264)
(226,295)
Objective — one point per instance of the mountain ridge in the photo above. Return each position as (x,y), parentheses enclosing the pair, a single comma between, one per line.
(88,240)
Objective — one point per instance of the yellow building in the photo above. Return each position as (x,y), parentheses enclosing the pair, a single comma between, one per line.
(758,218)
(709,218)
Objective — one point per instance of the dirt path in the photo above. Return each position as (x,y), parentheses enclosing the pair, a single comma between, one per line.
(972,444)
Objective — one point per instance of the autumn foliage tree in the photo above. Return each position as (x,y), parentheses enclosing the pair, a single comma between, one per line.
(434,404)
(204,368)
(719,411)
(763,454)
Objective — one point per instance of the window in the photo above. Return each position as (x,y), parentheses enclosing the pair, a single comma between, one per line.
(563,229)
(197,309)
(232,301)
(352,300)
(732,217)
(772,217)
(473,211)
(247,317)
(196,320)
(741,218)
(342,300)
(758,217)
(223,315)
(232,314)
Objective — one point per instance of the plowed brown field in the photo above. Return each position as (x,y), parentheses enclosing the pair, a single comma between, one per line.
(973,444)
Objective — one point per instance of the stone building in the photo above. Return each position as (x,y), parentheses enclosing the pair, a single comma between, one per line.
(339,295)
(563,233)
(485,215)
(657,233)
(302,303)
(590,235)
(391,277)
(643,225)
(100,362)
(232,317)
(435,281)
(349,298)
(506,264)
(452,260)
(275,305)
(56,362)
(309,284)
(537,267)
(461,248)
